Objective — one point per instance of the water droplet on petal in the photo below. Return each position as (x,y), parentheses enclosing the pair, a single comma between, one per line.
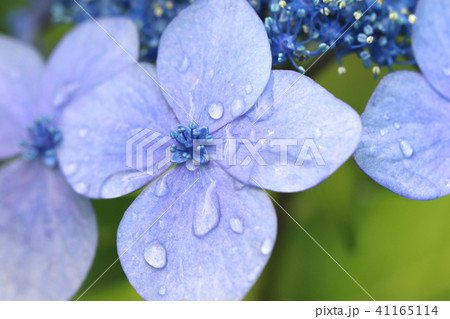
(216,110)
(237,107)
(162,290)
(190,165)
(386,117)
(155,255)
(82,133)
(253,274)
(81,188)
(382,132)
(64,94)
(71,169)
(396,125)
(161,188)
(406,148)
(236,225)
(185,64)
(237,185)
(249,89)
(266,246)
(446,182)
(447,71)
(207,216)
(317,132)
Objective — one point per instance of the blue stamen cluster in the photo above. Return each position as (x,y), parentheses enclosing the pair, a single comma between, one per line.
(151,16)
(184,149)
(378,31)
(43,137)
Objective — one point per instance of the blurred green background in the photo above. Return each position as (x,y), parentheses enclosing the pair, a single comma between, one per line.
(397,249)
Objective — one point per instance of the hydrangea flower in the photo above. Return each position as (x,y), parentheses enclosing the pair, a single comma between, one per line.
(48,232)
(203,231)
(377,31)
(406,140)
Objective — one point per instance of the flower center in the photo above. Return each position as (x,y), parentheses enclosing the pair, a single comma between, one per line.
(43,137)
(191,142)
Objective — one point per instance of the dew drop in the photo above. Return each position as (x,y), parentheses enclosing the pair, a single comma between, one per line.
(249,89)
(216,110)
(382,132)
(253,274)
(161,188)
(266,246)
(447,182)
(237,185)
(317,132)
(81,188)
(82,133)
(406,148)
(185,64)
(396,125)
(236,225)
(71,169)
(386,117)
(190,165)
(155,255)
(237,107)
(207,217)
(64,94)
(162,290)
(447,71)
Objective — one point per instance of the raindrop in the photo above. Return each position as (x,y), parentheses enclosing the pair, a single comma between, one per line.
(161,188)
(382,132)
(155,255)
(253,274)
(406,148)
(206,218)
(237,185)
(216,110)
(162,290)
(249,89)
(71,169)
(386,117)
(63,95)
(81,188)
(83,132)
(266,246)
(317,132)
(191,165)
(185,64)
(236,225)
(237,107)
(396,125)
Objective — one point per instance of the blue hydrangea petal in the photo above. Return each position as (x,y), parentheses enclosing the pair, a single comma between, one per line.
(431,43)
(214,60)
(48,234)
(96,128)
(86,56)
(211,243)
(323,130)
(405,145)
(20,73)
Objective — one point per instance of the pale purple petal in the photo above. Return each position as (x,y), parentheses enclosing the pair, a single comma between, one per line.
(98,128)
(88,55)
(48,234)
(20,74)
(214,61)
(405,145)
(319,132)
(196,236)
(431,43)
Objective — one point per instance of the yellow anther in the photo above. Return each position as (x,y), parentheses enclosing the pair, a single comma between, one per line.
(357,15)
(282,4)
(393,15)
(412,18)
(376,70)
(369,39)
(169,5)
